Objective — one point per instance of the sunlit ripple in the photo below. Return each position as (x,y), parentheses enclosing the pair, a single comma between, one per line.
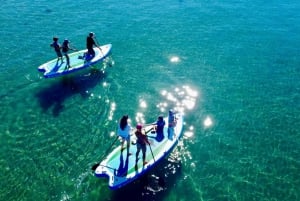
(140,118)
(181,98)
(164,92)
(112,133)
(64,196)
(174,59)
(143,103)
(208,122)
(190,132)
(112,110)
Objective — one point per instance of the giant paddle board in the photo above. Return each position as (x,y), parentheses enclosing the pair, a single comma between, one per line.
(121,168)
(78,61)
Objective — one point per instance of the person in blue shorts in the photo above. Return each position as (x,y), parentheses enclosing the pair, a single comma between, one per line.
(57,48)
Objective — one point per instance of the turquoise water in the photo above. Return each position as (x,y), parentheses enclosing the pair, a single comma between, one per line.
(231,67)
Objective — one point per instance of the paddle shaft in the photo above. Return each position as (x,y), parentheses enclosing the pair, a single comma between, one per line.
(94,167)
(154,123)
(149,143)
(98,45)
(97,164)
(151,152)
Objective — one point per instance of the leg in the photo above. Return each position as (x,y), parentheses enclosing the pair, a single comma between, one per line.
(68,60)
(136,158)
(170,133)
(128,145)
(137,154)
(59,56)
(90,54)
(144,155)
(122,144)
(144,158)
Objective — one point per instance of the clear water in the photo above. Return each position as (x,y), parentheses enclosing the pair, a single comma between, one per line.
(231,67)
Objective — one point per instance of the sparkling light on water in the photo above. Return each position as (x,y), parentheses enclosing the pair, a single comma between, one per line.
(181,98)
(112,110)
(190,132)
(139,117)
(174,59)
(143,104)
(207,122)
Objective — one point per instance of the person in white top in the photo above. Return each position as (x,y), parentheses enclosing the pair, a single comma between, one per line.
(124,129)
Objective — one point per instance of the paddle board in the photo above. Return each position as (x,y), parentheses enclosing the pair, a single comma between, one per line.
(77,62)
(121,169)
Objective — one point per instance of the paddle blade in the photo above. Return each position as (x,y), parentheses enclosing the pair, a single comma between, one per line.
(95,166)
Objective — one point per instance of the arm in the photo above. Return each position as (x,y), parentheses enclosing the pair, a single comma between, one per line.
(97,44)
(146,140)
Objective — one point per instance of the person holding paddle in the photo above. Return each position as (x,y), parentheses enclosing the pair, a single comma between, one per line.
(172,123)
(142,141)
(65,48)
(90,43)
(57,48)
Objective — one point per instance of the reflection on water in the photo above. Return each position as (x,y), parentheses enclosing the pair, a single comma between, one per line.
(139,117)
(207,122)
(180,99)
(174,59)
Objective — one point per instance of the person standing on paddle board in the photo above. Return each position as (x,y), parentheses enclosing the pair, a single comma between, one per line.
(172,124)
(65,48)
(57,48)
(142,141)
(159,128)
(90,43)
(124,129)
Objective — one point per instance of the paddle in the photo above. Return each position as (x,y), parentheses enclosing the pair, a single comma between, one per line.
(151,152)
(94,167)
(149,143)
(98,45)
(154,123)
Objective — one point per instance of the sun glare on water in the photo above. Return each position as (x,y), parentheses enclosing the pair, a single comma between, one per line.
(207,122)
(174,59)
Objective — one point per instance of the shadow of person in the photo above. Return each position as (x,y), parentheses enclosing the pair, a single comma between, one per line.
(55,95)
(123,167)
(153,185)
(57,66)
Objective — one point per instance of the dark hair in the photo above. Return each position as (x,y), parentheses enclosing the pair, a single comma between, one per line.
(123,122)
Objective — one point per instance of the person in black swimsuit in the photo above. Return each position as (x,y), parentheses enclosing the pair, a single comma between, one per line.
(90,43)
(57,48)
(65,48)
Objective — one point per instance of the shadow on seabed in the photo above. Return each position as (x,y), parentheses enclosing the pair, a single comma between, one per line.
(67,86)
(153,185)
